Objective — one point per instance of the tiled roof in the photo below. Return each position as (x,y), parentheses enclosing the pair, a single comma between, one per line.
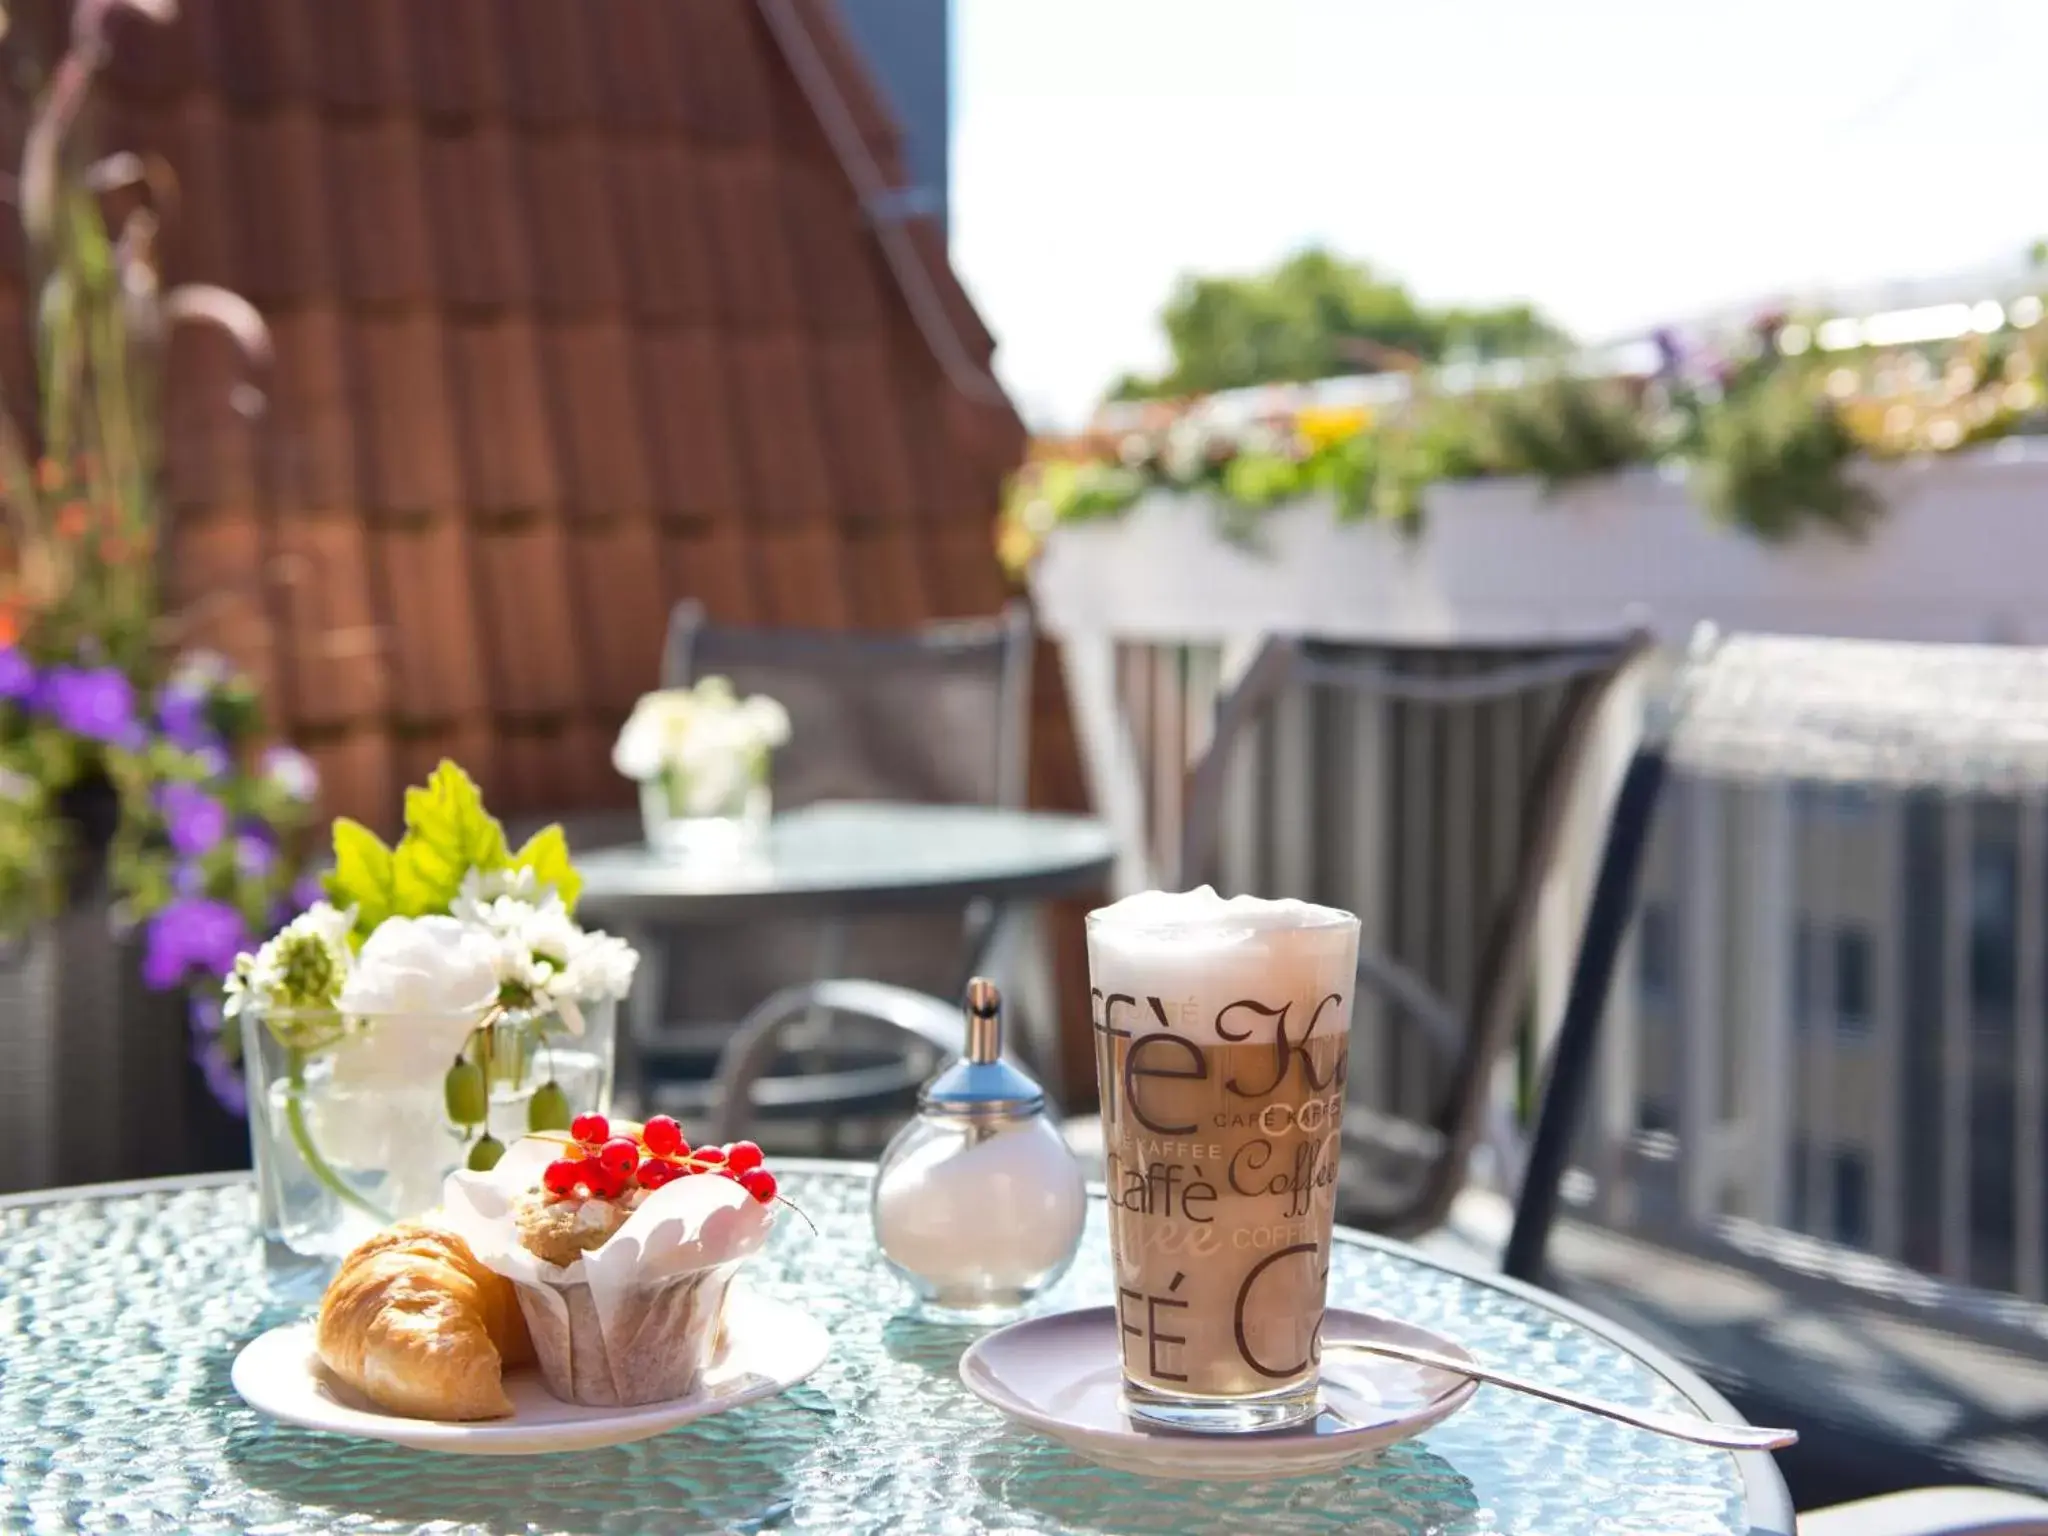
(577,313)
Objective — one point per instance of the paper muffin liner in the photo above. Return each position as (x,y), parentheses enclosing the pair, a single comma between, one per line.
(637,1320)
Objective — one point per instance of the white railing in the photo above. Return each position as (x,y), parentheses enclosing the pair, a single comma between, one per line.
(1837,1077)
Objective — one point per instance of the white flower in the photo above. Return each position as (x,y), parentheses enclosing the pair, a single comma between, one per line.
(419,987)
(482,888)
(304,966)
(541,958)
(700,730)
(293,773)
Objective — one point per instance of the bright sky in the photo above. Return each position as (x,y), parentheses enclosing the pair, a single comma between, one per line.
(1619,162)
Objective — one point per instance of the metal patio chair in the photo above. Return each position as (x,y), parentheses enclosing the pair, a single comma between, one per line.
(1437,1010)
(940,716)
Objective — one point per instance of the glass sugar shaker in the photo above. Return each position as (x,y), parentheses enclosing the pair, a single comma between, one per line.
(978,1204)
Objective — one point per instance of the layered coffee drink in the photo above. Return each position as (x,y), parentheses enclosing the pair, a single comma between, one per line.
(1222,1040)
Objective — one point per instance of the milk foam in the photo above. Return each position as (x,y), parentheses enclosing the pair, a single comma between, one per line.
(1197,953)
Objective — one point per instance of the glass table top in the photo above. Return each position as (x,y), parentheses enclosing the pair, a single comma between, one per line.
(120,1316)
(836,851)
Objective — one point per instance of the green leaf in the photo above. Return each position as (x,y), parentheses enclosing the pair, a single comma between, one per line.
(547,854)
(447,834)
(362,876)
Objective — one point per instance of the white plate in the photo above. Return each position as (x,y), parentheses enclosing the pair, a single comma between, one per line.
(1060,1374)
(770,1346)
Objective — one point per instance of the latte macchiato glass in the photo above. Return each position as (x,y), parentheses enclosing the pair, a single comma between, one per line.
(1222,1041)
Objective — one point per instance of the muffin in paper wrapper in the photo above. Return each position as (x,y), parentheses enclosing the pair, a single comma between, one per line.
(636,1320)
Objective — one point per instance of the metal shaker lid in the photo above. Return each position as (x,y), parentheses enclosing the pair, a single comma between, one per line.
(981,1082)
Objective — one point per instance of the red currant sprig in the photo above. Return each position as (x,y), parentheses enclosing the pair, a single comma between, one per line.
(604,1166)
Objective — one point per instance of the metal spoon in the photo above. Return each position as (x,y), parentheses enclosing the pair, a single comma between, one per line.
(1679,1426)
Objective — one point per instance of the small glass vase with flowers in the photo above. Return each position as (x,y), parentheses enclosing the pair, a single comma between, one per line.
(442,1003)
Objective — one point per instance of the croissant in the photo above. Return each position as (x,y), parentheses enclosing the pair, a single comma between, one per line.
(413,1322)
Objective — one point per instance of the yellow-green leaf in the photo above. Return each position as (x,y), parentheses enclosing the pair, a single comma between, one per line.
(546,853)
(362,875)
(447,834)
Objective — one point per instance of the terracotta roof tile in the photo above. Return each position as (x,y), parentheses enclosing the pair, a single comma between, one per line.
(17,367)
(539,768)
(362,53)
(569,224)
(864,429)
(885,579)
(418,751)
(334,645)
(507,446)
(929,241)
(718,567)
(277,165)
(749,244)
(311,420)
(725,52)
(211,450)
(590,367)
(772,385)
(681,383)
(424,573)
(622,608)
(640,81)
(458,59)
(198,244)
(838,272)
(219,581)
(869,109)
(406,427)
(476,212)
(265,53)
(359,777)
(529,632)
(662,244)
(146,59)
(576,314)
(969,579)
(548,66)
(380,211)
(806,578)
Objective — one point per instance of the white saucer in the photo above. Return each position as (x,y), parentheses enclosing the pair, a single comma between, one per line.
(770,1346)
(1060,1374)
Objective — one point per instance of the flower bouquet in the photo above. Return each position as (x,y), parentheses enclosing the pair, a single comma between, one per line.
(700,756)
(441,1003)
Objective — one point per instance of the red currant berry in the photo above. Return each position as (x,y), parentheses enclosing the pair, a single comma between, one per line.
(708,1158)
(664,1137)
(606,1185)
(559,1178)
(654,1173)
(742,1155)
(759,1183)
(593,1129)
(619,1157)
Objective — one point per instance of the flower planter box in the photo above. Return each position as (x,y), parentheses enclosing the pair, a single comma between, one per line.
(1957,555)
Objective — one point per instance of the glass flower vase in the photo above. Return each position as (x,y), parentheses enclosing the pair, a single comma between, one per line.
(349,1117)
(705,815)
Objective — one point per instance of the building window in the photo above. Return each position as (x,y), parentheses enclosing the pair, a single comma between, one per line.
(1994,932)
(1849,958)
(1852,1199)
(1656,954)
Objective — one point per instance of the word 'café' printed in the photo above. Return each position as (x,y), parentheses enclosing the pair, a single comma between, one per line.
(1222,1100)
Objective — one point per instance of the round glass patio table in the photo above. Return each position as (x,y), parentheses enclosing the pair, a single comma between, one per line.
(840,856)
(122,1308)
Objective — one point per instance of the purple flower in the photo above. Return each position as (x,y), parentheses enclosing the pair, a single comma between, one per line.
(293,772)
(255,854)
(181,715)
(94,702)
(188,879)
(196,820)
(213,762)
(194,933)
(307,891)
(1670,353)
(17,676)
(224,1079)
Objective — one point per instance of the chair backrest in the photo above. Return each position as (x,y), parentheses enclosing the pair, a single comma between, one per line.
(938,716)
(1426,789)
(941,715)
